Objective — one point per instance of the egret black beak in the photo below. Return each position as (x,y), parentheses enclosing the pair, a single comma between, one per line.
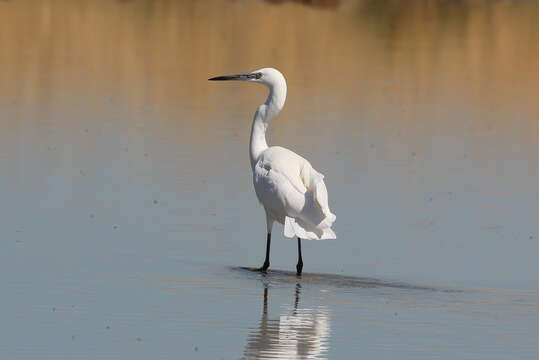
(235,77)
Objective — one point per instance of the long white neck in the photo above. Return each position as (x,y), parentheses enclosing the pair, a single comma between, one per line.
(265,113)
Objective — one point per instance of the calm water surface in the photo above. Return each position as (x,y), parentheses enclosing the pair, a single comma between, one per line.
(128,210)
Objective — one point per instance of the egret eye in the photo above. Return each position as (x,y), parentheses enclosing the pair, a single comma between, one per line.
(258,75)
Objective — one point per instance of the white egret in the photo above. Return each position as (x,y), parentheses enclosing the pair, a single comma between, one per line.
(292,192)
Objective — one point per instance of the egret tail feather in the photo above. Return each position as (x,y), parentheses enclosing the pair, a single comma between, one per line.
(297,228)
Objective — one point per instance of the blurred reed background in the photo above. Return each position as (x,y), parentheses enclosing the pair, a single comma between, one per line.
(350,54)
(126,188)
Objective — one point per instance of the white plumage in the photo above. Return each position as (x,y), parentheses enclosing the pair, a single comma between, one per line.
(291,191)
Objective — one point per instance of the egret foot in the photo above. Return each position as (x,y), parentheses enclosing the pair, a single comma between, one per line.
(299,268)
(264,267)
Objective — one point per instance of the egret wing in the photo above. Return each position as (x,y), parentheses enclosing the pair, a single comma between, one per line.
(275,191)
(294,194)
(314,182)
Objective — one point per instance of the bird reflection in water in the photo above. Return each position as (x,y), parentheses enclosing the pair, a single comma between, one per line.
(301,334)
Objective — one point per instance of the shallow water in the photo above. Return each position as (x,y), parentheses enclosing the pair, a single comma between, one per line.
(127,206)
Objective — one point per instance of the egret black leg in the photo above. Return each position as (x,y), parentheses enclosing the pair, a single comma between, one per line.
(299,266)
(266,265)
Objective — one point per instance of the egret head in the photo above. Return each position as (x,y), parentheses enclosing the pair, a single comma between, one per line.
(268,76)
